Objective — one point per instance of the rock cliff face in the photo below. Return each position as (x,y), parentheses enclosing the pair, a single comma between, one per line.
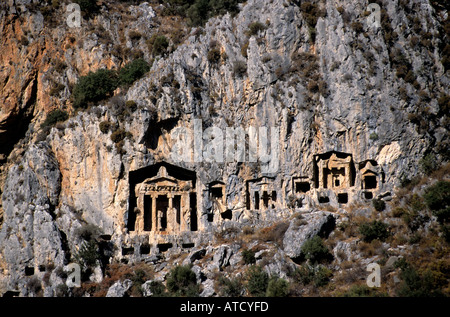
(350,109)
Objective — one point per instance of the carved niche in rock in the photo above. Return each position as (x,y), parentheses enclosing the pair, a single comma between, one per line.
(261,194)
(301,185)
(165,204)
(370,176)
(334,170)
(216,194)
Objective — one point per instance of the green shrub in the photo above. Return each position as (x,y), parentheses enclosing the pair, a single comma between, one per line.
(138,278)
(118,108)
(239,69)
(313,86)
(254,28)
(374,230)
(415,284)
(199,11)
(182,281)
(53,117)
(87,255)
(56,4)
(446,57)
(34,285)
(357,27)
(410,77)
(88,232)
(62,290)
(444,103)
(378,204)
(362,291)
(258,281)
(118,135)
(98,85)
(214,55)
(88,6)
(248,256)
(133,71)
(304,274)
(415,238)
(134,35)
(277,287)
(311,12)
(315,251)
(312,34)
(220,7)
(428,163)
(322,276)
(398,212)
(414,220)
(158,289)
(105,126)
(158,44)
(437,198)
(445,229)
(319,275)
(230,288)
(416,203)
(131,105)
(94,87)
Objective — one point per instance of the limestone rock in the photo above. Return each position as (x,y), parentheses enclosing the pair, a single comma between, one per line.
(208,288)
(317,223)
(223,254)
(195,255)
(279,265)
(119,288)
(31,190)
(345,251)
(146,291)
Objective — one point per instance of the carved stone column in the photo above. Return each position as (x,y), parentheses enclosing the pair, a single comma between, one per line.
(261,201)
(348,175)
(170,214)
(139,227)
(185,213)
(154,213)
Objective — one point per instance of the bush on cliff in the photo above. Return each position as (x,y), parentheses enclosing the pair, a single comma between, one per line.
(99,85)
(94,87)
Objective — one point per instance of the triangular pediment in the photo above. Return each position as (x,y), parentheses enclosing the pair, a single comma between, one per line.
(369,168)
(162,178)
(368,172)
(161,181)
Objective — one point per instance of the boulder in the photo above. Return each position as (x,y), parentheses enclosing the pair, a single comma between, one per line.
(317,223)
(119,288)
